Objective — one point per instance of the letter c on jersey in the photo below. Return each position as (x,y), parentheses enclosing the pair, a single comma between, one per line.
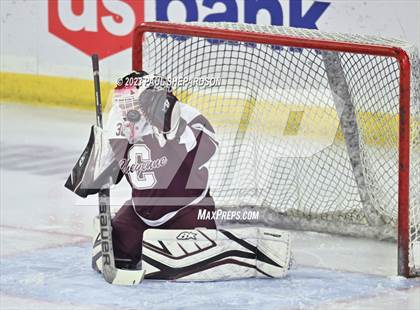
(139,153)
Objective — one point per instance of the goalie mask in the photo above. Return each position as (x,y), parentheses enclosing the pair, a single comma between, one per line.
(127,92)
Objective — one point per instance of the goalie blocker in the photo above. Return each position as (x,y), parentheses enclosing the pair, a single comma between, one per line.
(210,255)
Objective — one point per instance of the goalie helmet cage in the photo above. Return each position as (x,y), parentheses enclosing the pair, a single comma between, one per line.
(318,131)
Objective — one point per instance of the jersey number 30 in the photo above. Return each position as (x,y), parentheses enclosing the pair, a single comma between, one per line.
(140,153)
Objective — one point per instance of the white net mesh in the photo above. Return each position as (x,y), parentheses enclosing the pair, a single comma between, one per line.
(308,137)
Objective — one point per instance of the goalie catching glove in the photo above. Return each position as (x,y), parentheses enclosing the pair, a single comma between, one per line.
(161,108)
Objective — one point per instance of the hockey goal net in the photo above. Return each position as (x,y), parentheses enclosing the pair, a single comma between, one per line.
(318,131)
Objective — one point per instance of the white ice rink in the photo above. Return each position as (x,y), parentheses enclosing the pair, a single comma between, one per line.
(45,242)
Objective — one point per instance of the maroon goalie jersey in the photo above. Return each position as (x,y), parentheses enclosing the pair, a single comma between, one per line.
(165,175)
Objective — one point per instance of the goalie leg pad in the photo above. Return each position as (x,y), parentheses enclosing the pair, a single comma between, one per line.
(209,255)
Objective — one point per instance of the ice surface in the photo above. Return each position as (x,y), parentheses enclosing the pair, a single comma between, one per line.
(63,274)
(45,249)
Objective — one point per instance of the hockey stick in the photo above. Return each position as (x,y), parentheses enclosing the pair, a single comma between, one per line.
(111,274)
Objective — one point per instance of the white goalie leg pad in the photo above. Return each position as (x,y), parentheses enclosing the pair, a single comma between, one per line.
(209,255)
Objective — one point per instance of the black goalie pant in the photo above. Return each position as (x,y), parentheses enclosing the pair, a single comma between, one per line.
(128,228)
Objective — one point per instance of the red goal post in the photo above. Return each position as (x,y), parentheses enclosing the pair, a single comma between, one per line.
(325,44)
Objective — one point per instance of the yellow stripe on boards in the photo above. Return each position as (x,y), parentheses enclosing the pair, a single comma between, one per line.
(279,119)
(226,110)
(50,91)
(293,123)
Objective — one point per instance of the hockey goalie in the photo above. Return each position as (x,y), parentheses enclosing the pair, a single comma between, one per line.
(163,148)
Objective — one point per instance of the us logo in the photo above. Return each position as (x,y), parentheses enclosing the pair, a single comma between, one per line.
(95,26)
